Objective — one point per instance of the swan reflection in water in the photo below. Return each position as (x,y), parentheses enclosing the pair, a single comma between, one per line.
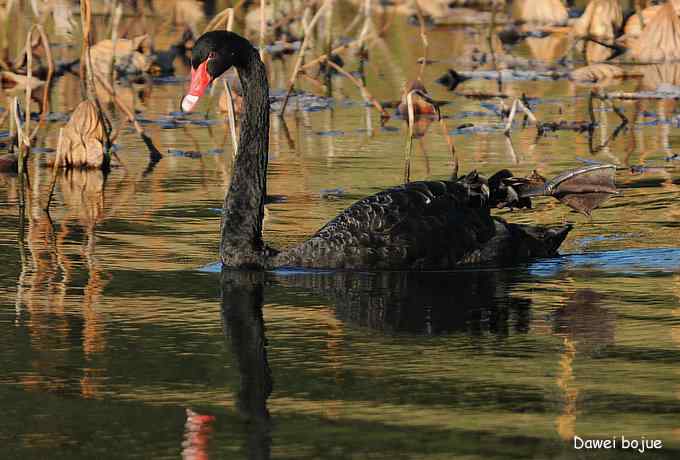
(472,301)
(392,302)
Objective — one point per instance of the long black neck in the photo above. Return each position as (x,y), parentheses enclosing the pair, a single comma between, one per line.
(241,243)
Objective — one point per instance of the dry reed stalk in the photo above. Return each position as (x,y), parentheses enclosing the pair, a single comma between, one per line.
(362,88)
(292,16)
(263,26)
(328,46)
(48,82)
(86,22)
(116,13)
(423,38)
(232,121)
(230,19)
(218,21)
(231,111)
(29,75)
(530,115)
(409,139)
(155,154)
(54,174)
(301,55)
(314,81)
(24,145)
(449,142)
(357,18)
(22,138)
(324,57)
(518,104)
(511,118)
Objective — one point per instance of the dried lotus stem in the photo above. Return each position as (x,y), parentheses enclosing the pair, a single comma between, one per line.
(301,55)
(363,89)
(231,113)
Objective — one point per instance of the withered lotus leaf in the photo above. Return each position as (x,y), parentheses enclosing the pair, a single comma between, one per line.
(19,82)
(128,58)
(601,20)
(540,11)
(633,26)
(659,41)
(81,141)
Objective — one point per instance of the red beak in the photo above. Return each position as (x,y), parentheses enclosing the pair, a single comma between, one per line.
(200,79)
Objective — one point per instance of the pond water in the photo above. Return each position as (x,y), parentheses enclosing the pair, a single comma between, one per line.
(122,339)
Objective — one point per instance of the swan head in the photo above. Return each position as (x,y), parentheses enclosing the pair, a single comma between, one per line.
(213,54)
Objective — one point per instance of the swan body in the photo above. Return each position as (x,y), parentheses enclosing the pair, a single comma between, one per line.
(420,225)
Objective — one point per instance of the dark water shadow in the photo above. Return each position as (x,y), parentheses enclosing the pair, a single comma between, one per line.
(242,300)
(431,303)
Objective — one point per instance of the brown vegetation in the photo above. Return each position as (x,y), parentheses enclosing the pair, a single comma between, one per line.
(594,73)
(81,143)
(659,41)
(420,105)
(602,21)
(633,26)
(125,54)
(540,12)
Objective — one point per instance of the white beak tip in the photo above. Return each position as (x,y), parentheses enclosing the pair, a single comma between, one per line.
(188,102)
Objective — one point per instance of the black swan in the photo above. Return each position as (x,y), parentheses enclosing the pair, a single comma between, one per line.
(419,225)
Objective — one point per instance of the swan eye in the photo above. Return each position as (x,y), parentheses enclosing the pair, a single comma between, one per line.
(212,55)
